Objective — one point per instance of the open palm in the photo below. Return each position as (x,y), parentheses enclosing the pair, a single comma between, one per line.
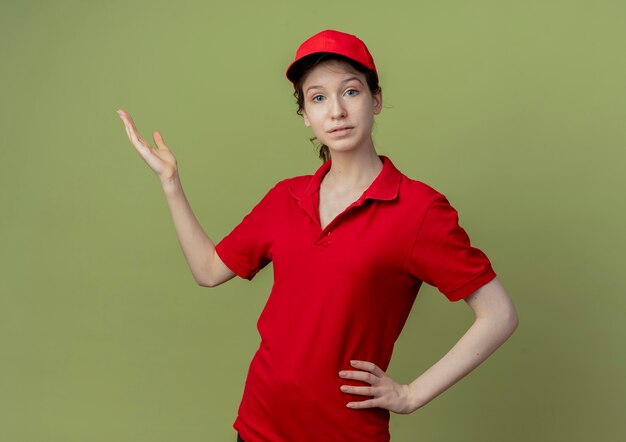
(160,160)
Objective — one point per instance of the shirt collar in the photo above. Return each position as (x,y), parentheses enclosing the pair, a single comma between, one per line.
(384,187)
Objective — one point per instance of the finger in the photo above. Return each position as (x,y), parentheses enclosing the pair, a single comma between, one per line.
(360,375)
(127,125)
(134,134)
(369,366)
(127,119)
(362,391)
(370,403)
(141,146)
(137,138)
(158,139)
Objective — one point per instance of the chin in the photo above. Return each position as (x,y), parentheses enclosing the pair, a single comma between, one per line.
(339,147)
(344,145)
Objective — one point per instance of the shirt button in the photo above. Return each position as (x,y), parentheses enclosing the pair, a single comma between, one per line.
(328,233)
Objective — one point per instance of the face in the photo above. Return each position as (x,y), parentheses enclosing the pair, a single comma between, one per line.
(338,106)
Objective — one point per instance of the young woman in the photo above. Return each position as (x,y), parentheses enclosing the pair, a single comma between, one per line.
(351,245)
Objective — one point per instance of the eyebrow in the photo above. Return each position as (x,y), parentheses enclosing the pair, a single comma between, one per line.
(344,81)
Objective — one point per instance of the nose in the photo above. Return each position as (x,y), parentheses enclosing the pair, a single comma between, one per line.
(337,108)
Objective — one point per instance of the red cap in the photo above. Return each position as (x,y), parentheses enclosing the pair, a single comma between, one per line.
(334,42)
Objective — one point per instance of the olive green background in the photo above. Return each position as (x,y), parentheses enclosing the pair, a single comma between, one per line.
(513,110)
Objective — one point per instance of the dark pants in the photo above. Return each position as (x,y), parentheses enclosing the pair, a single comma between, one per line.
(239,439)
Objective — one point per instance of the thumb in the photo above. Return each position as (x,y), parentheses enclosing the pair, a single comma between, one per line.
(158,139)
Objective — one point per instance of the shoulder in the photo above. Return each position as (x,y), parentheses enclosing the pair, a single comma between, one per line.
(418,192)
(295,185)
(419,188)
(411,191)
(294,182)
(285,184)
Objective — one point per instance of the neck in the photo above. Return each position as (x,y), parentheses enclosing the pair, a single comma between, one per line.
(354,169)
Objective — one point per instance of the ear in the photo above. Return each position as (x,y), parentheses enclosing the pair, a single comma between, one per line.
(307,123)
(377,100)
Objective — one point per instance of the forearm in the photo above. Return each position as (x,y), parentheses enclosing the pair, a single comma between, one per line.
(195,243)
(477,344)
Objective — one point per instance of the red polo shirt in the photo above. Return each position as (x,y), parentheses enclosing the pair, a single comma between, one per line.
(340,293)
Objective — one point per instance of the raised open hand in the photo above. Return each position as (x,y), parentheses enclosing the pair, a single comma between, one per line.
(386,393)
(160,160)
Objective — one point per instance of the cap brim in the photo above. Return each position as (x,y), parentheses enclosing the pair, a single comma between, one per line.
(296,69)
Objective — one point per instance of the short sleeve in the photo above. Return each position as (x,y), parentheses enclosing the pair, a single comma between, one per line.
(442,255)
(246,249)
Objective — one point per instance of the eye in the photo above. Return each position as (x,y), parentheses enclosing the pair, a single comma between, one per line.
(315,98)
(354,92)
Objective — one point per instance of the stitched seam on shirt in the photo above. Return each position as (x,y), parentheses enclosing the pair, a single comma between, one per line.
(233,264)
(271,233)
(480,275)
(419,230)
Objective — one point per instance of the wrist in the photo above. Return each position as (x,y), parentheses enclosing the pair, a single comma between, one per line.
(171,183)
(415,399)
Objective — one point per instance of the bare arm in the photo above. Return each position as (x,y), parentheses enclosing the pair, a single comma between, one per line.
(496,320)
(206,266)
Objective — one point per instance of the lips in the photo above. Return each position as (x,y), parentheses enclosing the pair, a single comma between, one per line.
(340,128)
